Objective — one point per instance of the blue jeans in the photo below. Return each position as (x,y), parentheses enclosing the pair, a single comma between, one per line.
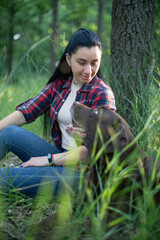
(29,180)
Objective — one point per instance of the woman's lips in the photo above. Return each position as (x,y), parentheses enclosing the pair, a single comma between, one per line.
(86,77)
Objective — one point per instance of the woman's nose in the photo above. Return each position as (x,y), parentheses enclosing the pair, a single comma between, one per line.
(88,69)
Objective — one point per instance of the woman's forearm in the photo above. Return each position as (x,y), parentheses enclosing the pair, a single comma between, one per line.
(71,157)
(15,118)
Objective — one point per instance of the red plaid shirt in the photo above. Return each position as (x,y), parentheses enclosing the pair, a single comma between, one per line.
(93,94)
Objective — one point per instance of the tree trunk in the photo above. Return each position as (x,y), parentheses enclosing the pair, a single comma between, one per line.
(10,41)
(100,18)
(131,47)
(54,35)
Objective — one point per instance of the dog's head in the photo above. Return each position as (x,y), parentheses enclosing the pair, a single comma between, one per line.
(105,124)
(113,133)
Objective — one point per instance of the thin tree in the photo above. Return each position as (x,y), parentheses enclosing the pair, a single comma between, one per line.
(10,38)
(100,18)
(55,33)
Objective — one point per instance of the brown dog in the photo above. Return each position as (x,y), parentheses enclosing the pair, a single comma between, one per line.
(104,127)
(106,135)
(109,123)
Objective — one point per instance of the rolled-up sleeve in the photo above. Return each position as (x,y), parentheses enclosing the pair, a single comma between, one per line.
(36,106)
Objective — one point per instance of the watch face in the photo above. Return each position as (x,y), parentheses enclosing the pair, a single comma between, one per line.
(49,157)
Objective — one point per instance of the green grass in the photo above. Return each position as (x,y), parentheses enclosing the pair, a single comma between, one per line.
(13,95)
(19,213)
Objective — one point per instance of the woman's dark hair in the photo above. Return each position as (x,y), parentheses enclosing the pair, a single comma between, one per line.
(80,38)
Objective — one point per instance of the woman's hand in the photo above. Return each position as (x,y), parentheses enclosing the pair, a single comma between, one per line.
(36,162)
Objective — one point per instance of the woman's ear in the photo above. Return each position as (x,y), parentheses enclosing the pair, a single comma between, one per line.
(68,59)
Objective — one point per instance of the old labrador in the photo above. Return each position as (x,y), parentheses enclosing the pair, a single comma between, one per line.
(110,141)
(107,130)
(106,135)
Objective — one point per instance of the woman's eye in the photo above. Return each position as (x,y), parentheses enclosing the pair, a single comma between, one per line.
(94,63)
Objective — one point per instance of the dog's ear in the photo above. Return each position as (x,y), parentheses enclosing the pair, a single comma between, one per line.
(112,130)
(115,125)
(121,140)
(124,135)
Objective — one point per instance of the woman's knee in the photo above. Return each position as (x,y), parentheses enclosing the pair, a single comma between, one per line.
(10,129)
(8,132)
(7,135)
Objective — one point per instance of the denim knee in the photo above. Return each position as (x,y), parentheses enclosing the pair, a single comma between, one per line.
(9,130)
(6,136)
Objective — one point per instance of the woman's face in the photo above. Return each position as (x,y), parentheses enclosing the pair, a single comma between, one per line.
(84,63)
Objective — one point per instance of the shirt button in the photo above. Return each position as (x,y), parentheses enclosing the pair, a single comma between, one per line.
(56,113)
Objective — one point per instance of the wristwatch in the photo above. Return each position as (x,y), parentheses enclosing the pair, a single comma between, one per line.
(50,158)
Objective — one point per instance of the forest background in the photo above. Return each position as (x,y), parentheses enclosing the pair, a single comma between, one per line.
(33,35)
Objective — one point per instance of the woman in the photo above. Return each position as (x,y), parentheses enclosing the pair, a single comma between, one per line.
(77,78)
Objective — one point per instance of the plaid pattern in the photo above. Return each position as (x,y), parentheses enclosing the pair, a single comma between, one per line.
(93,94)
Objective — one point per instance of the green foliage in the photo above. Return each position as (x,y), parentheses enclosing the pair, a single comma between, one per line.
(32,22)
(157,28)
(31,70)
(12,95)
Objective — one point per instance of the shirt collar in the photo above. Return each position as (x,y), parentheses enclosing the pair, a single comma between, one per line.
(85,87)
(67,83)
